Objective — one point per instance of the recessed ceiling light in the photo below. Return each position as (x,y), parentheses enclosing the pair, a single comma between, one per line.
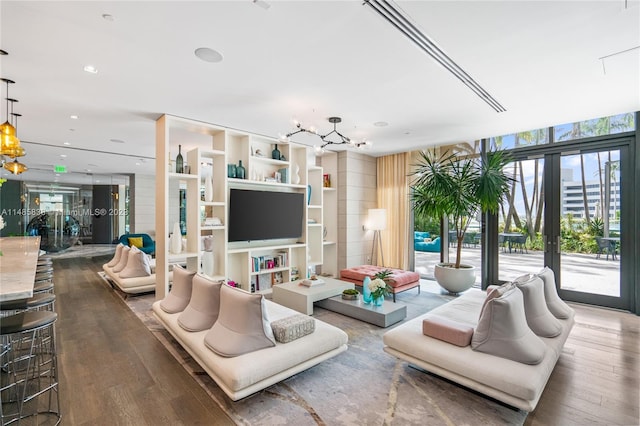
(73,117)
(91,69)
(57,175)
(97,180)
(87,170)
(107,17)
(63,155)
(137,164)
(208,55)
(66,143)
(381,124)
(116,140)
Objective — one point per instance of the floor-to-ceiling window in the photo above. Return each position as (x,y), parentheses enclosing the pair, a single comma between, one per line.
(567,209)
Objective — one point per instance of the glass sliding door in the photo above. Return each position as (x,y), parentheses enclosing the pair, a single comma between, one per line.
(590,225)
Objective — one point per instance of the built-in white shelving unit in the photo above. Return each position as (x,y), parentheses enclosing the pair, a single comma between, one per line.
(209,149)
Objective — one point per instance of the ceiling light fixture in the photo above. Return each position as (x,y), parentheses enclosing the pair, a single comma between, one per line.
(91,69)
(395,17)
(319,149)
(208,55)
(15,167)
(10,144)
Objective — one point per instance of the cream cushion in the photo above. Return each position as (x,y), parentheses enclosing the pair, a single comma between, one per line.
(540,320)
(203,308)
(558,308)
(116,257)
(242,324)
(503,331)
(137,264)
(122,262)
(180,294)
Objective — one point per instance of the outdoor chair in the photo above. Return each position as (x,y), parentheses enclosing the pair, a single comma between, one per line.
(520,242)
(606,246)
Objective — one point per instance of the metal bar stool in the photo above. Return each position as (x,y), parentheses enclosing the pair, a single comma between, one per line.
(29,369)
(39,302)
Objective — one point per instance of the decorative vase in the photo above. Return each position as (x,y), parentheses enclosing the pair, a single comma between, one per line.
(208,263)
(275,154)
(208,189)
(366,291)
(378,301)
(231,170)
(308,194)
(179,160)
(175,241)
(296,175)
(240,171)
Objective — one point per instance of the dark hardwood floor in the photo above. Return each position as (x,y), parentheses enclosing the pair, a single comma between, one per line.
(113,371)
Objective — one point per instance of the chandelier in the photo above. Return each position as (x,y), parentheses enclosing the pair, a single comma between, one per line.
(339,138)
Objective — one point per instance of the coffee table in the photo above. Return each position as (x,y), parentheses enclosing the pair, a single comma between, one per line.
(300,298)
(382,316)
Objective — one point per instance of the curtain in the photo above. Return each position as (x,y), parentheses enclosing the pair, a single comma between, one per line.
(393,195)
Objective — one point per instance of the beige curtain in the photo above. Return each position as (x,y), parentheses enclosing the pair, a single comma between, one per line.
(393,195)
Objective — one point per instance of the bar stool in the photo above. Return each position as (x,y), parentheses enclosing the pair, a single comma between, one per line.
(29,368)
(39,302)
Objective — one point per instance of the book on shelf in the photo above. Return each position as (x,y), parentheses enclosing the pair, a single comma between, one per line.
(261,263)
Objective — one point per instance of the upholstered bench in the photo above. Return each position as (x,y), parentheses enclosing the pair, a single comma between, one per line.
(399,281)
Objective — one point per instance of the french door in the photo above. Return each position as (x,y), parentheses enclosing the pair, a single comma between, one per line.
(567,211)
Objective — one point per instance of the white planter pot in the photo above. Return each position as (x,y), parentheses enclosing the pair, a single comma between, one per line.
(175,241)
(208,263)
(208,189)
(455,280)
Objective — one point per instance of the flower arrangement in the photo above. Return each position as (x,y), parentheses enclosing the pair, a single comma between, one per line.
(378,288)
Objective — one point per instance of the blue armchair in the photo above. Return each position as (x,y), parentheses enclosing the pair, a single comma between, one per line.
(148,245)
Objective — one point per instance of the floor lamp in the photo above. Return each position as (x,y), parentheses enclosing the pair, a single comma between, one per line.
(377,223)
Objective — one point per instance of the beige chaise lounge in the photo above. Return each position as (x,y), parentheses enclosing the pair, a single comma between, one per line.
(514,383)
(246,374)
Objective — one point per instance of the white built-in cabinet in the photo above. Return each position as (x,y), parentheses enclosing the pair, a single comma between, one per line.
(207,150)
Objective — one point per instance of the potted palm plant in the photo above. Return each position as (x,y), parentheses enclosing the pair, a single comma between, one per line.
(457,188)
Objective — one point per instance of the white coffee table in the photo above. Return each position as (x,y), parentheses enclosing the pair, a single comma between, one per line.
(300,298)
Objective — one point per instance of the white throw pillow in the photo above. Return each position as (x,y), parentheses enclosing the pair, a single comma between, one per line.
(557,306)
(180,294)
(137,265)
(540,320)
(503,331)
(242,325)
(203,308)
(122,262)
(116,257)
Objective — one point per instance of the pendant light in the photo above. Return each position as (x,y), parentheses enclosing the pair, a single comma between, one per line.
(9,141)
(15,167)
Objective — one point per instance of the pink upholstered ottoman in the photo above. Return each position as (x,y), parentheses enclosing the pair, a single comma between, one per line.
(400,280)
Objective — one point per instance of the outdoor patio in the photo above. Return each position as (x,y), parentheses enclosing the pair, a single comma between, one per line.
(580,272)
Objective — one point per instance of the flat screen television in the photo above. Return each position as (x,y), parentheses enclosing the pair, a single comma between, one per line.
(265,215)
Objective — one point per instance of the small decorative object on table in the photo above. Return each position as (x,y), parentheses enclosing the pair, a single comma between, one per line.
(379,289)
(366,292)
(350,294)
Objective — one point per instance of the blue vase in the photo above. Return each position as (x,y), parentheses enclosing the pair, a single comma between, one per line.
(308,194)
(378,301)
(366,292)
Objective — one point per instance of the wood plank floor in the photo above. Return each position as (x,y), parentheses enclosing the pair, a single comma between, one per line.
(114,371)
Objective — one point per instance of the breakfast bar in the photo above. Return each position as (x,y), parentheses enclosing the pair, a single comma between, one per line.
(18,261)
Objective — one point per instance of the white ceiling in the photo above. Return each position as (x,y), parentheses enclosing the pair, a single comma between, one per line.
(307,60)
